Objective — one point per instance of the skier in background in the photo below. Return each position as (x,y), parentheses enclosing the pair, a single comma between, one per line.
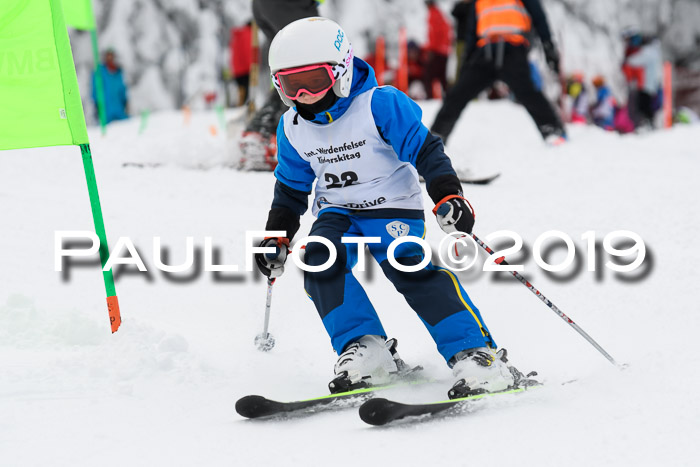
(643,68)
(258,140)
(460,12)
(416,71)
(241,50)
(115,91)
(497,48)
(437,50)
(603,110)
(576,89)
(364,146)
(535,75)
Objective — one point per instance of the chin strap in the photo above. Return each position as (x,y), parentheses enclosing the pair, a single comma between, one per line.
(309,111)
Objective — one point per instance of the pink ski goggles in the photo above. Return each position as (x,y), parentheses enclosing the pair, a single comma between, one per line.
(312,79)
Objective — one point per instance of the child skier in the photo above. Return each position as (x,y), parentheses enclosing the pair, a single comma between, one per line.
(603,111)
(577,90)
(365,145)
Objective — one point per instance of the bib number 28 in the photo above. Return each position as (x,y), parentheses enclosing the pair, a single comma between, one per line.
(345,179)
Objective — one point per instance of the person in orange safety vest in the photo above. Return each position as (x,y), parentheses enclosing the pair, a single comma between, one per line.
(498,42)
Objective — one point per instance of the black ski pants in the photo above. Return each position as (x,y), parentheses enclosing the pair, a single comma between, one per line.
(271,16)
(480,71)
(435,69)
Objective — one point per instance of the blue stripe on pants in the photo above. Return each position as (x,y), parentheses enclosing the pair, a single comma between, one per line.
(434,293)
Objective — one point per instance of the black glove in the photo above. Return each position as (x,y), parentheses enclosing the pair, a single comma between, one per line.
(272,264)
(454,214)
(551,55)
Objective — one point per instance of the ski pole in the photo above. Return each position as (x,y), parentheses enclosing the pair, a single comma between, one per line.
(264,341)
(547,302)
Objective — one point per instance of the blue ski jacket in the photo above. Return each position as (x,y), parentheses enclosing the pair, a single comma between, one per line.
(115,93)
(398,120)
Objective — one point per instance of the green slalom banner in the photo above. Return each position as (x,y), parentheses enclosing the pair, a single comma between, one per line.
(78,14)
(40,100)
(39,96)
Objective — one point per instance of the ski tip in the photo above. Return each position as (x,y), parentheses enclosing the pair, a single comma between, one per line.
(480,181)
(252,406)
(377,411)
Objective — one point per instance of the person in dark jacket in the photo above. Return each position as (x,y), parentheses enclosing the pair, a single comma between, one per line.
(460,12)
(257,143)
(497,48)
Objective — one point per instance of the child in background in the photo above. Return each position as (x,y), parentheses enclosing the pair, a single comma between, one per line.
(603,111)
(577,91)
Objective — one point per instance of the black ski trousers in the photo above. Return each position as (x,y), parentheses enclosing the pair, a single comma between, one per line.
(271,16)
(480,71)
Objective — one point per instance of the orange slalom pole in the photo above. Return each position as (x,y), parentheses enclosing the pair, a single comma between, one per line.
(379,58)
(186,114)
(115,318)
(402,72)
(437,89)
(254,71)
(668,94)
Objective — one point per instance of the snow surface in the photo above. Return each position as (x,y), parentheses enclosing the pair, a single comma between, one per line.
(161,391)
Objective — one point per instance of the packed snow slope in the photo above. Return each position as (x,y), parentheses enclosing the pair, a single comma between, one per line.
(161,391)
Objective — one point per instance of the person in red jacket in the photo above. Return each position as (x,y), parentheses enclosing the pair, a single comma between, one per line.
(241,39)
(437,49)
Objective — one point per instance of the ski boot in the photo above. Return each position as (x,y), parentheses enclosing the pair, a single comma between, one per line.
(483,370)
(553,136)
(258,152)
(369,361)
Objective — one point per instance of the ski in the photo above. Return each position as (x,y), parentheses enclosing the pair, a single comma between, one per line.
(345,392)
(380,411)
(477,180)
(254,406)
(142,165)
(473,180)
(259,406)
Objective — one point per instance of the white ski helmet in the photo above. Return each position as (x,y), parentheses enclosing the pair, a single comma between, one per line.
(309,41)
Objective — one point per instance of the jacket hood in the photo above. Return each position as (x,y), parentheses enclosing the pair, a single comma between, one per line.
(363,79)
